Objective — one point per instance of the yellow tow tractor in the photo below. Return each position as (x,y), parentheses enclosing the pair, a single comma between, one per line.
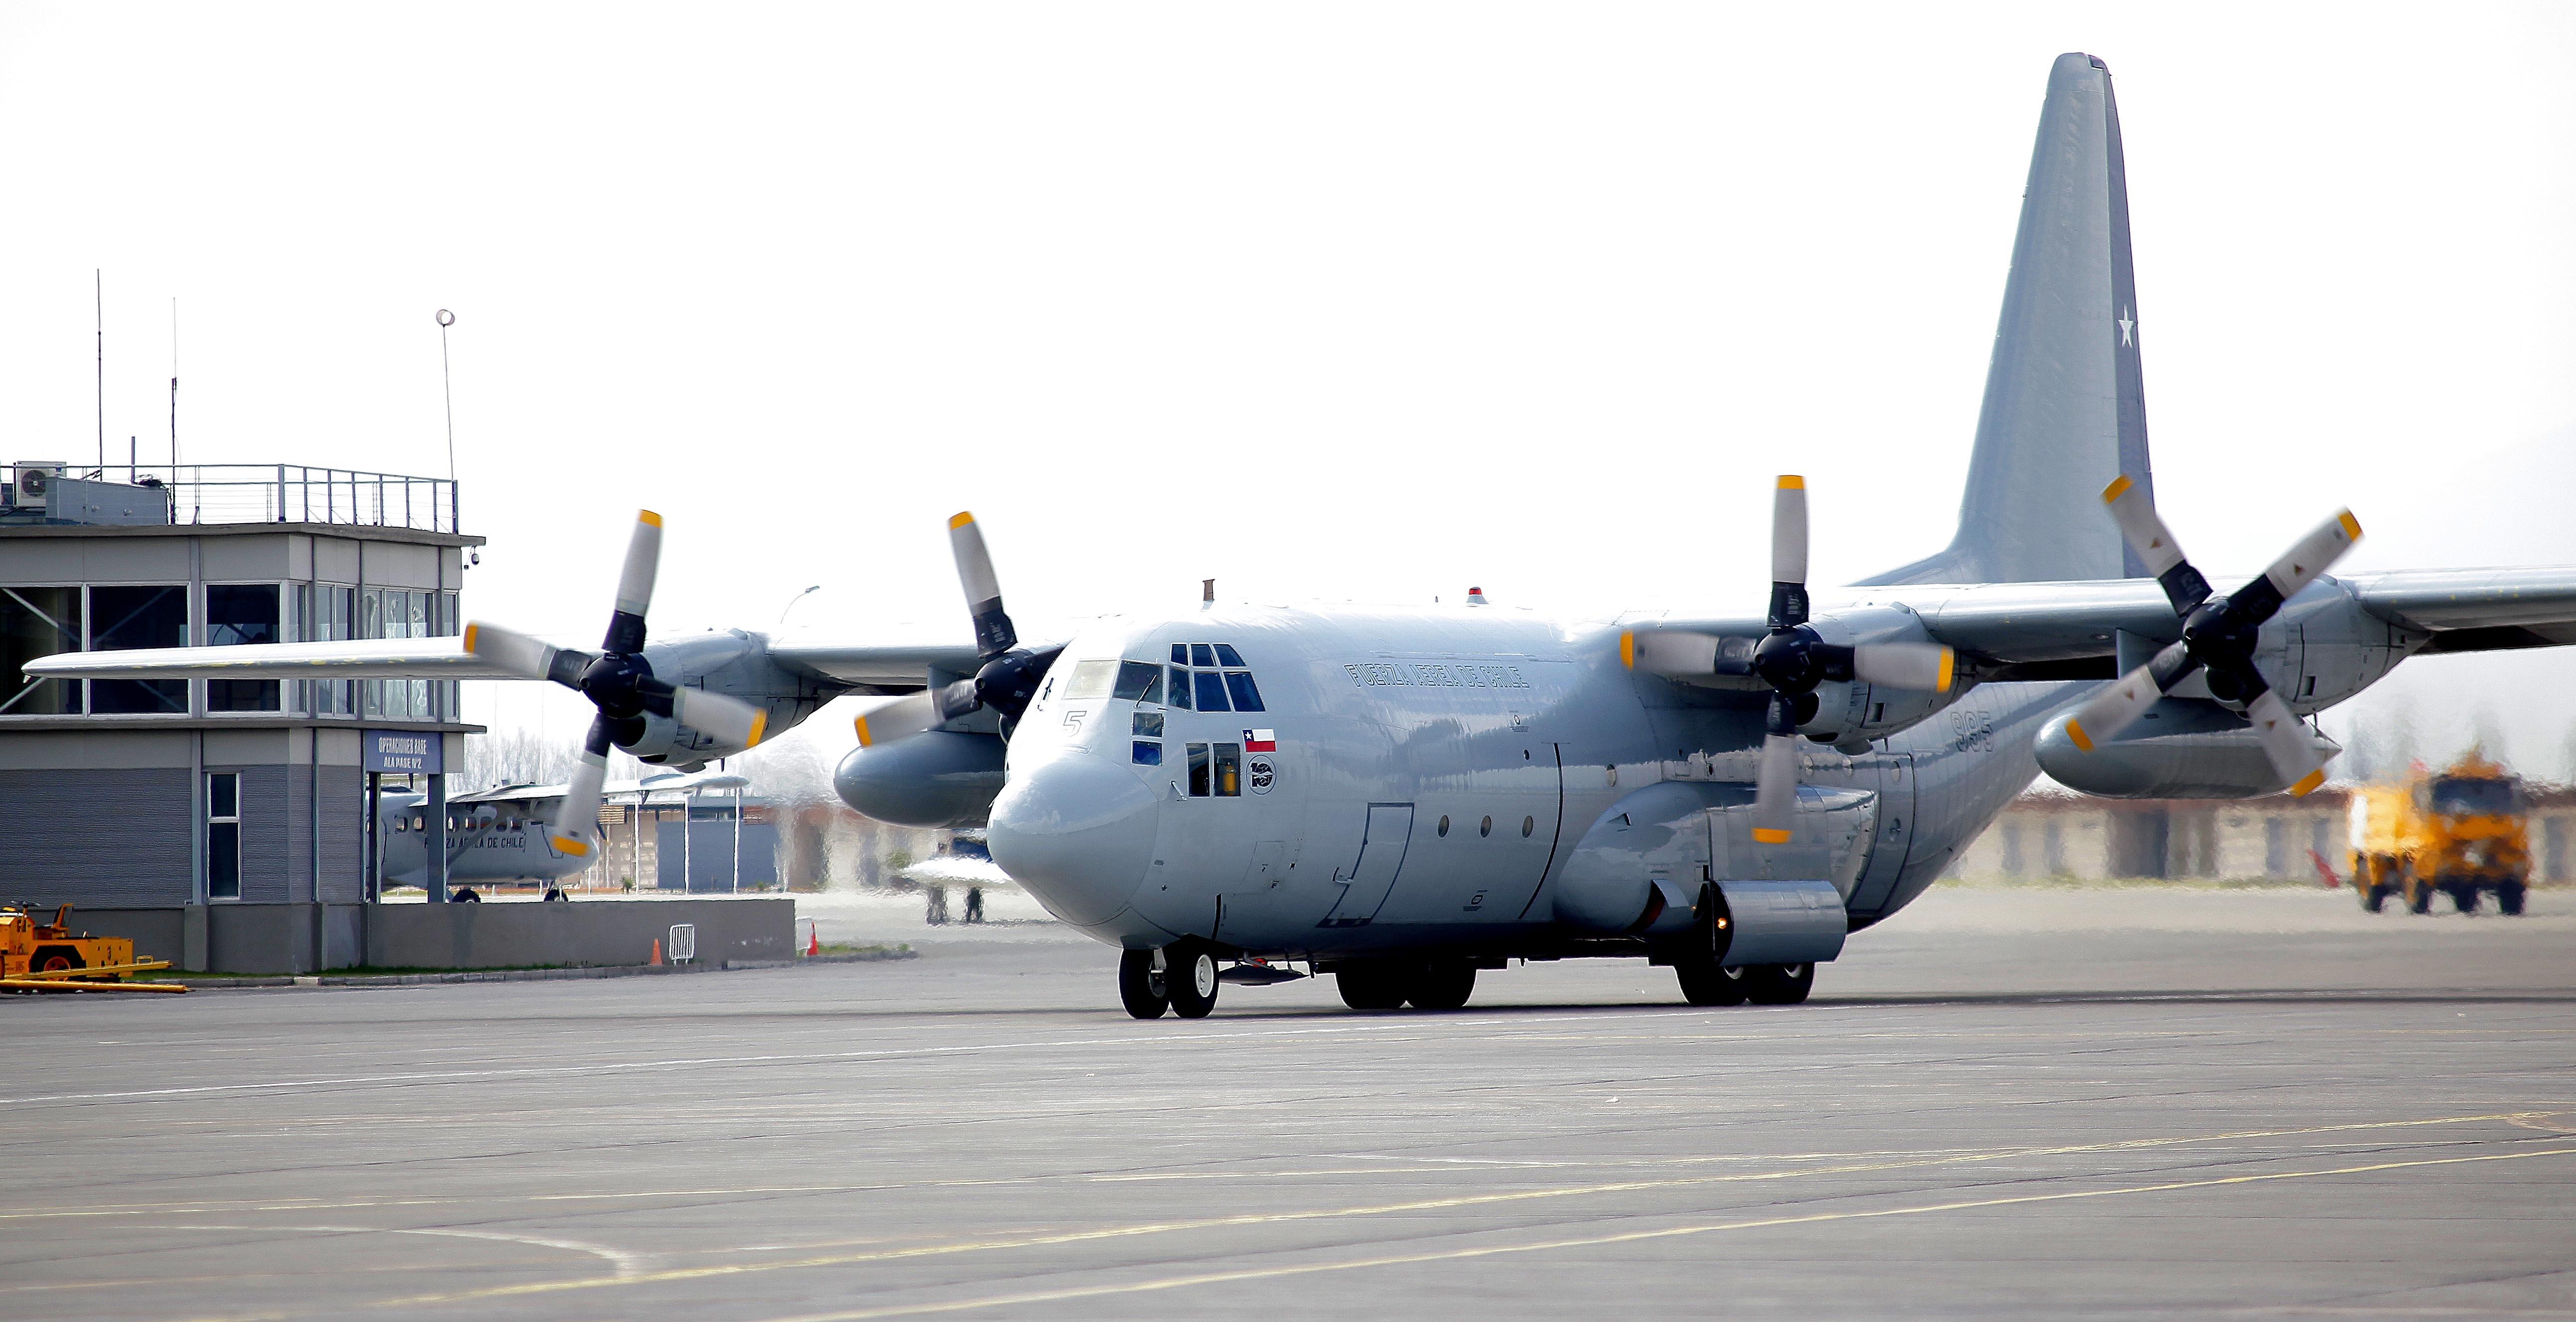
(46,957)
(2462,831)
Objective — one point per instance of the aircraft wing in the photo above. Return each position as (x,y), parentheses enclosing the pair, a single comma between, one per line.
(673,781)
(2476,610)
(367,658)
(883,668)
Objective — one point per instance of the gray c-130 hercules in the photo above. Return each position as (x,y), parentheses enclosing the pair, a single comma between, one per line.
(1404,796)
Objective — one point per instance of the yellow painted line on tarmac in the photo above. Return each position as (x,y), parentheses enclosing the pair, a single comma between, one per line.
(1385,1209)
(1628,1237)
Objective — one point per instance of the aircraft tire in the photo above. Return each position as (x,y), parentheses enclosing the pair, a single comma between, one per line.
(2509,899)
(1778,984)
(1140,988)
(2374,897)
(1441,985)
(2419,895)
(1189,979)
(1704,982)
(1369,986)
(2464,896)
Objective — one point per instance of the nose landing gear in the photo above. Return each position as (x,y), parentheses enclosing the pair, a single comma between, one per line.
(1181,977)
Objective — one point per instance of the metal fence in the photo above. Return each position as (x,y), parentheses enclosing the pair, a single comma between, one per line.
(275,493)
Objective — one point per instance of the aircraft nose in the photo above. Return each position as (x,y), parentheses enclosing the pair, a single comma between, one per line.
(1078,833)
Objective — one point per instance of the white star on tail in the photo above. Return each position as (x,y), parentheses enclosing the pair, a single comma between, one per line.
(2128,328)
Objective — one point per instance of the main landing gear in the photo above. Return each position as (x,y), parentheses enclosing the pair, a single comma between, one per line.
(1704,982)
(1180,977)
(1391,984)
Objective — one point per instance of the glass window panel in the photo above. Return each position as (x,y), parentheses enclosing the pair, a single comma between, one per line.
(1180,690)
(371,613)
(1137,679)
(1246,697)
(1229,770)
(1180,654)
(223,794)
(1198,771)
(1202,655)
(1148,724)
(1211,690)
(1091,679)
(1147,753)
(1227,656)
(223,861)
(238,614)
(122,617)
(38,622)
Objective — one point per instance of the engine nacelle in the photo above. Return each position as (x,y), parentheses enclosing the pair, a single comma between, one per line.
(2183,748)
(1644,868)
(939,779)
(733,663)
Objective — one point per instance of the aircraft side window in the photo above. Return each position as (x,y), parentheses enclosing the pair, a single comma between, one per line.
(1139,681)
(1146,752)
(420,822)
(1180,654)
(1198,771)
(1202,655)
(1227,656)
(1180,687)
(1211,690)
(1146,725)
(1091,679)
(1246,697)
(1229,770)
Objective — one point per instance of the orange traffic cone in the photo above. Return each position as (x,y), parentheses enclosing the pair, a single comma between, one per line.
(657,951)
(814,940)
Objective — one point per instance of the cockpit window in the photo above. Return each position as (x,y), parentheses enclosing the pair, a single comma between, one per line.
(1180,685)
(1227,656)
(1139,681)
(1211,689)
(1238,683)
(1091,679)
(1180,654)
(1202,655)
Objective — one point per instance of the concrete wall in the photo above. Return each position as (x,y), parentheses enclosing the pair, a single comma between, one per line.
(2047,835)
(285,938)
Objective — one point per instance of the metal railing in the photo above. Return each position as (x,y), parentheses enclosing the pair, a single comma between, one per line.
(257,493)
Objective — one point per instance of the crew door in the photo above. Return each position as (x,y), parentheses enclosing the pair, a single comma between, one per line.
(1372,875)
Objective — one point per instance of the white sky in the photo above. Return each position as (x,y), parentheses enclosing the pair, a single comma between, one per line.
(1325,301)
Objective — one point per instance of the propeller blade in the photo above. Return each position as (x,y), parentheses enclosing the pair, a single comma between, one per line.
(577,820)
(2145,532)
(725,719)
(1921,667)
(635,584)
(1675,653)
(526,656)
(994,633)
(1775,789)
(916,713)
(1789,552)
(2307,559)
(2124,700)
(2285,741)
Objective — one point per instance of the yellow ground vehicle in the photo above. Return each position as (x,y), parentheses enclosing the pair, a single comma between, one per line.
(33,949)
(2461,831)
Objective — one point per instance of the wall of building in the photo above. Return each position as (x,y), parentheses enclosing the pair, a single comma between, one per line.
(292,938)
(2078,838)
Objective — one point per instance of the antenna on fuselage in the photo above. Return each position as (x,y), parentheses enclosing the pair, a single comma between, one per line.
(1476,597)
(1207,594)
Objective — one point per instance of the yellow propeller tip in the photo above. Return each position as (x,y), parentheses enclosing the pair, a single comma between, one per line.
(1949,671)
(2075,731)
(960,519)
(2119,487)
(2307,783)
(470,631)
(759,727)
(576,848)
(862,724)
(2351,525)
(1764,835)
(1628,650)
(648,516)
(1792,482)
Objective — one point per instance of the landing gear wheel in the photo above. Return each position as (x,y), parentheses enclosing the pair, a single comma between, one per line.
(1705,983)
(1189,979)
(2464,896)
(1441,985)
(1778,984)
(2374,896)
(2509,898)
(2419,896)
(1140,988)
(1369,986)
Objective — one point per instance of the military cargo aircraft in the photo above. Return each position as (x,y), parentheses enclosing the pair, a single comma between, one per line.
(1404,797)
(505,833)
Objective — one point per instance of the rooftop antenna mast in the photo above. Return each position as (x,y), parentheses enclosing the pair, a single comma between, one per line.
(98,291)
(174,389)
(447,389)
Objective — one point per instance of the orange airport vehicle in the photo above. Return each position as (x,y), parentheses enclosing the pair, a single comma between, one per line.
(40,956)
(2464,831)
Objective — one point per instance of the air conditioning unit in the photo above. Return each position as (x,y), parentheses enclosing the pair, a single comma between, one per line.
(32,482)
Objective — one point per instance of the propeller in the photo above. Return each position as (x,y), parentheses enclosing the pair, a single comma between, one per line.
(1006,677)
(1793,659)
(619,682)
(2218,635)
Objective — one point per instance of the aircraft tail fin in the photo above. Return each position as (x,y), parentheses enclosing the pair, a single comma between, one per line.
(2065,411)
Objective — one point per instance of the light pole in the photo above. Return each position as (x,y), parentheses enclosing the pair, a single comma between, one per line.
(791,604)
(447,392)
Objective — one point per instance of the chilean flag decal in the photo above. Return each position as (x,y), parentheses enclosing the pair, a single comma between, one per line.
(1260,741)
